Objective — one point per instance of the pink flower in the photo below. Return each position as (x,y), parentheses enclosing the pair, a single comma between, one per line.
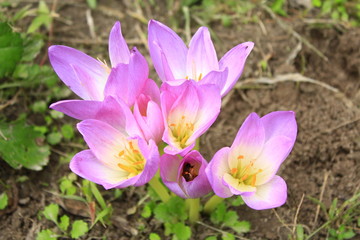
(249,166)
(185,176)
(175,63)
(93,80)
(188,111)
(115,159)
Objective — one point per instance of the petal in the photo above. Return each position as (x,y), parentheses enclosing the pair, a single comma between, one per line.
(169,166)
(118,49)
(172,47)
(84,75)
(280,123)
(216,170)
(217,78)
(236,187)
(152,90)
(208,110)
(200,185)
(104,140)
(78,109)
(131,77)
(250,138)
(235,60)
(87,166)
(201,57)
(270,195)
(274,153)
(151,154)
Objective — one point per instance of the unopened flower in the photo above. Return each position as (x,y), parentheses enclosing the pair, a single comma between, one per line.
(175,63)
(115,160)
(249,166)
(188,111)
(185,176)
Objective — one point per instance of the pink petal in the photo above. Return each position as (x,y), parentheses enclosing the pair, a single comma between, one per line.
(87,166)
(216,170)
(280,123)
(201,58)
(104,140)
(152,90)
(172,47)
(118,49)
(217,78)
(169,166)
(79,109)
(274,153)
(131,77)
(235,60)
(250,138)
(270,195)
(84,75)
(151,154)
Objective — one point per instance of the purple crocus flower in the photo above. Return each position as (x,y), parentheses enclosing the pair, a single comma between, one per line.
(188,111)
(93,80)
(115,159)
(249,166)
(185,176)
(175,63)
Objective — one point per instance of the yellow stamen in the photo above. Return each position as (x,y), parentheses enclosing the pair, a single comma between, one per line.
(121,153)
(234,171)
(200,77)
(127,168)
(240,157)
(244,177)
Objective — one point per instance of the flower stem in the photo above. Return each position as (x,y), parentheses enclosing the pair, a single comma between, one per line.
(194,209)
(159,188)
(212,203)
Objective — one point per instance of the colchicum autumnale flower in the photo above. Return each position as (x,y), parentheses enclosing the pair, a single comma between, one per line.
(188,111)
(115,160)
(185,176)
(175,63)
(249,166)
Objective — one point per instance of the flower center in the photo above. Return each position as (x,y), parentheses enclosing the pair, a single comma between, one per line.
(245,174)
(131,159)
(182,131)
(189,172)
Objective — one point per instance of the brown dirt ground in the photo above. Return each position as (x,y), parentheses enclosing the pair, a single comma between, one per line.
(328,142)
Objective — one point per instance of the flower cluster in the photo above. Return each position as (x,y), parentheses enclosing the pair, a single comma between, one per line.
(126,117)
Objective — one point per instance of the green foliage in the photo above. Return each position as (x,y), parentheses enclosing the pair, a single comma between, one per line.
(154,236)
(79,228)
(229,219)
(3,200)
(46,234)
(51,212)
(22,145)
(92,3)
(43,18)
(341,10)
(278,7)
(11,49)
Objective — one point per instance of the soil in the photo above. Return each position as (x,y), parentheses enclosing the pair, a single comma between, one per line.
(324,163)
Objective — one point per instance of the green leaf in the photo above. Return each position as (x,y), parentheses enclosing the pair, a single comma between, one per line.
(241,227)
(79,228)
(3,201)
(181,231)
(46,234)
(161,213)
(11,50)
(42,19)
(67,131)
(177,208)
(51,212)
(32,47)
(299,232)
(238,201)
(99,198)
(154,236)
(218,215)
(67,187)
(22,145)
(230,218)
(56,115)
(39,107)
(211,238)
(54,138)
(316,3)
(100,216)
(228,236)
(146,212)
(64,223)
(348,234)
